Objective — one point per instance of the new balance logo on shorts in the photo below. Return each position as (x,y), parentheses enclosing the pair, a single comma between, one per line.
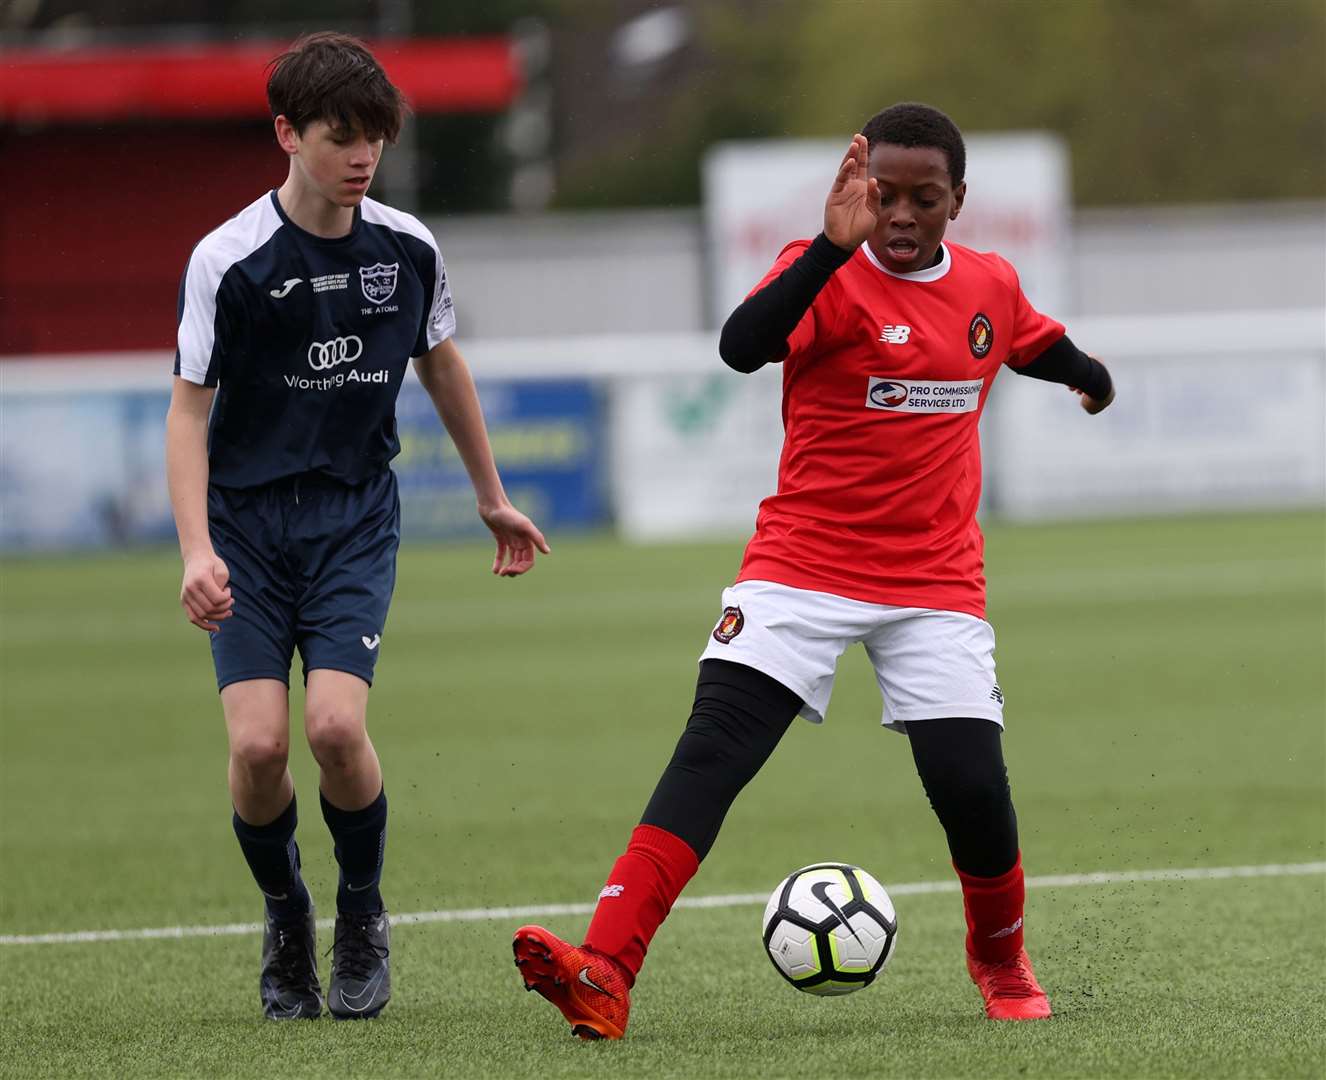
(996,694)
(611,890)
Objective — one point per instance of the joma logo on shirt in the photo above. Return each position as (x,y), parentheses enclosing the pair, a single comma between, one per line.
(895,335)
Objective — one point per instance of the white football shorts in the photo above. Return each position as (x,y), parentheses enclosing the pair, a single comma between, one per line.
(929,663)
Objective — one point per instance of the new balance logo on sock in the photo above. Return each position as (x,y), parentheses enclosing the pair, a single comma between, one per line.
(1008,930)
(611,890)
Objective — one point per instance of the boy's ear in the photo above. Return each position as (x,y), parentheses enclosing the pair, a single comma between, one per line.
(959,194)
(286,135)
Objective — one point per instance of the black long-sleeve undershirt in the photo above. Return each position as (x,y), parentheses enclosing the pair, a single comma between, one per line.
(1063,362)
(756,332)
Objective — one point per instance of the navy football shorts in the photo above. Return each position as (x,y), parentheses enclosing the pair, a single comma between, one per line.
(312,566)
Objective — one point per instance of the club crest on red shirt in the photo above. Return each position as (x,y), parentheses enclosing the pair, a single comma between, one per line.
(980,335)
(729,626)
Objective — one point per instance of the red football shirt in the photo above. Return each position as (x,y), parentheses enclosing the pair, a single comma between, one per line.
(884,384)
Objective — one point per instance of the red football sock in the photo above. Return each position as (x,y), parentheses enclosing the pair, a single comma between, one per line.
(994,913)
(644,884)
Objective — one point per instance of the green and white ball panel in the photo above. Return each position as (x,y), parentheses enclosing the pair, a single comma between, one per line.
(875,894)
(795,952)
(857,947)
(834,989)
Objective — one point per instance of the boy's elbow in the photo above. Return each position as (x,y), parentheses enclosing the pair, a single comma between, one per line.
(737,354)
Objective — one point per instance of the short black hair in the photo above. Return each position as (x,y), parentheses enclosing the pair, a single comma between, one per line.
(909,123)
(333,77)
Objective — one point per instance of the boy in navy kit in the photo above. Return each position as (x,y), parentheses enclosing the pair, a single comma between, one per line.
(890,338)
(297,317)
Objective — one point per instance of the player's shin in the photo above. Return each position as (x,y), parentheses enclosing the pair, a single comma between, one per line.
(644,884)
(360,838)
(738,716)
(993,907)
(273,857)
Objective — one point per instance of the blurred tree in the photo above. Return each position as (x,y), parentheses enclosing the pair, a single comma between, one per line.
(1160,100)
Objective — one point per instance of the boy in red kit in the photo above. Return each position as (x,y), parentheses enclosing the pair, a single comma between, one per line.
(890,340)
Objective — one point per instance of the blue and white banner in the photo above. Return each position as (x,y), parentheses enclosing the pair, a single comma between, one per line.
(547,439)
(86,468)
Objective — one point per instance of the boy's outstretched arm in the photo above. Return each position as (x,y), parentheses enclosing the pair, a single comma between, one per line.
(445,375)
(1063,362)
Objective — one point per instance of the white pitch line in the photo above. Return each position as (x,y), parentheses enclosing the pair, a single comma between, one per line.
(909,888)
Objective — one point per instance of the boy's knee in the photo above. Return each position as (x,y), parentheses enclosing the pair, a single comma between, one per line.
(259,754)
(335,734)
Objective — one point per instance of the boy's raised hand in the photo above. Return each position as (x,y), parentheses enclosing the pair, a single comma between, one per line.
(852,208)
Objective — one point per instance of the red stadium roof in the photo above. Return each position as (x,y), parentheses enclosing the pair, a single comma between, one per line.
(196,82)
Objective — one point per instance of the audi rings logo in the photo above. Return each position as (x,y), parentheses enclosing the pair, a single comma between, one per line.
(325,355)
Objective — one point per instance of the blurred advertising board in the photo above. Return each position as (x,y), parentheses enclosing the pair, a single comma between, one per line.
(652,432)
(693,455)
(546,437)
(1213,413)
(760,195)
(85,467)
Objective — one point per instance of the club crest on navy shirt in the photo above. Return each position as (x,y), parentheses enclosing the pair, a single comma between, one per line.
(378,281)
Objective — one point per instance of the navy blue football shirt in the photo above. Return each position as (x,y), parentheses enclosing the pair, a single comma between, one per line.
(307,339)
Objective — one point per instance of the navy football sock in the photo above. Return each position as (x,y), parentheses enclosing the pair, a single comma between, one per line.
(360,837)
(273,856)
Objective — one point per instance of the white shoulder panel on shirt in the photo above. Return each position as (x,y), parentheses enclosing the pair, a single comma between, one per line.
(376,213)
(216,253)
(441,315)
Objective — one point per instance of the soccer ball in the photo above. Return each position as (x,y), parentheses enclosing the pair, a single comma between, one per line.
(830,928)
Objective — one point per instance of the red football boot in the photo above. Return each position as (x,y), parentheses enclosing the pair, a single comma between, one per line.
(1010,988)
(589,988)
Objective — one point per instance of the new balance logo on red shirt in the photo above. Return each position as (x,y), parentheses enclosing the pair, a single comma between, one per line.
(611,890)
(895,335)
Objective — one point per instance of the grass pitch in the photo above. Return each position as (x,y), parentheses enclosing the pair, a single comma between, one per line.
(1164,685)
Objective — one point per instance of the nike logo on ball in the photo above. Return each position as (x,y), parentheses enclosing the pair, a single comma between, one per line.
(820,890)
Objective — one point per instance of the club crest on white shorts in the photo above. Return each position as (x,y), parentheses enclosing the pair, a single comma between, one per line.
(729,626)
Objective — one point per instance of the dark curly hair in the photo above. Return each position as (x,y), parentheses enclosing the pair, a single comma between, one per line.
(333,77)
(910,123)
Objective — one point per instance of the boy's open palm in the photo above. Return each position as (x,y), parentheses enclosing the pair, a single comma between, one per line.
(852,208)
